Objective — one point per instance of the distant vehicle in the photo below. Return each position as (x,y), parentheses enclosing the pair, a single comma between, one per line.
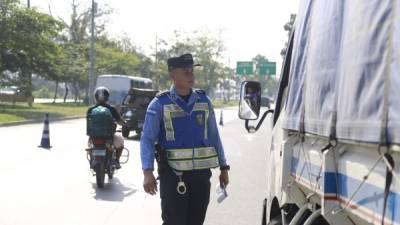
(133,109)
(266,101)
(119,85)
(11,90)
(14,94)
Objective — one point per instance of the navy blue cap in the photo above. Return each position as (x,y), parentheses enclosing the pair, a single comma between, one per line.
(185,60)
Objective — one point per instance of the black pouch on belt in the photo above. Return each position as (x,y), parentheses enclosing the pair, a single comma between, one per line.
(161,158)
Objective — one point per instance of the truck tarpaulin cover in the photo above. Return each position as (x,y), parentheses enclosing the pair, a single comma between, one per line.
(344,75)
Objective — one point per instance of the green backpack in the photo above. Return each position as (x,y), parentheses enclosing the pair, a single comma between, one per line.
(100,123)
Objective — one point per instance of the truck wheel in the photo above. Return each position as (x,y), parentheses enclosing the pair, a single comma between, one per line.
(264,213)
(125,132)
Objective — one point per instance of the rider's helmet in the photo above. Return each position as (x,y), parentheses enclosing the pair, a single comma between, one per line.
(101,94)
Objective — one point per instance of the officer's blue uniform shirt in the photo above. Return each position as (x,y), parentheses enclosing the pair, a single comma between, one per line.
(151,130)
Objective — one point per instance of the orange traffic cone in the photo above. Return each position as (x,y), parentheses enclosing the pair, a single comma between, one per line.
(221,119)
(45,142)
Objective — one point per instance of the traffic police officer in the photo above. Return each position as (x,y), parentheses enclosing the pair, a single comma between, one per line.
(182,123)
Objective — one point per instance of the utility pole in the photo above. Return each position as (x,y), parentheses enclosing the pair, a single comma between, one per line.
(89,96)
(29,74)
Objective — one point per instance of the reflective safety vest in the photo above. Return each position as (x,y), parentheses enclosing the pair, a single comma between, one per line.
(184,134)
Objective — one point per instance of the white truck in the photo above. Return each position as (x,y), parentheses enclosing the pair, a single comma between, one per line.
(119,85)
(334,135)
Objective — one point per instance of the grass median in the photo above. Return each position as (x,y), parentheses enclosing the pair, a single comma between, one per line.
(222,104)
(22,112)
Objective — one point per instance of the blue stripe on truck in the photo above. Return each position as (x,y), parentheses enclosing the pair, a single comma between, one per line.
(369,196)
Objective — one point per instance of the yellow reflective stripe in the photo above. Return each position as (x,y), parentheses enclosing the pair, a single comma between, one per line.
(179,153)
(181,165)
(169,129)
(200,106)
(203,107)
(206,124)
(184,153)
(170,111)
(186,165)
(204,152)
(172,107)
(206,163)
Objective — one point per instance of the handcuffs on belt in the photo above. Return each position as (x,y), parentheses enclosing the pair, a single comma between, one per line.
(181,187)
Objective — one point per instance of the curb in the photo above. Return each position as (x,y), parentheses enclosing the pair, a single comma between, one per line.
(39,121)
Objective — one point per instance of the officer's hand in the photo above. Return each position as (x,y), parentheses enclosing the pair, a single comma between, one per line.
(224,178)
(149,182)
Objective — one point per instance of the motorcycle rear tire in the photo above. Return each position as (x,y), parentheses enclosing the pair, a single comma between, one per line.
(110,172)
(100,175)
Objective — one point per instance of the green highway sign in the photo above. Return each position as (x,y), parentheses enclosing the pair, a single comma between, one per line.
(266,68)
(244,68)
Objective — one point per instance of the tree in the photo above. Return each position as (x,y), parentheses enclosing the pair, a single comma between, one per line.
(269,85)
(27,44)
(207,51)
(76,46)
(74,68)
(112,61)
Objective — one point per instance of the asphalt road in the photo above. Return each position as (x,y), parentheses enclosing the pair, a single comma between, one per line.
(47,187)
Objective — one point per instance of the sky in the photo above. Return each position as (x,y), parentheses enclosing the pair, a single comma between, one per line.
(248,27)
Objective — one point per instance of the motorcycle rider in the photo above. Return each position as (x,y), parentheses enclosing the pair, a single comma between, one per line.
(101,95)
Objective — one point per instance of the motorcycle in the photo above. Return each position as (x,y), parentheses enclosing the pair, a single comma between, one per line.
(102,158)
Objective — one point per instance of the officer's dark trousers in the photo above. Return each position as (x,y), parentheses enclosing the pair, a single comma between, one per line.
(187,209)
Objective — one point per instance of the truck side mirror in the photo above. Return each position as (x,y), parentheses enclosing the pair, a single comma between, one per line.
(250,100)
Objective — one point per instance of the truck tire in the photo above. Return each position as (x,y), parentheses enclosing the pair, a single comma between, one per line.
(276,221)
(264,213)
